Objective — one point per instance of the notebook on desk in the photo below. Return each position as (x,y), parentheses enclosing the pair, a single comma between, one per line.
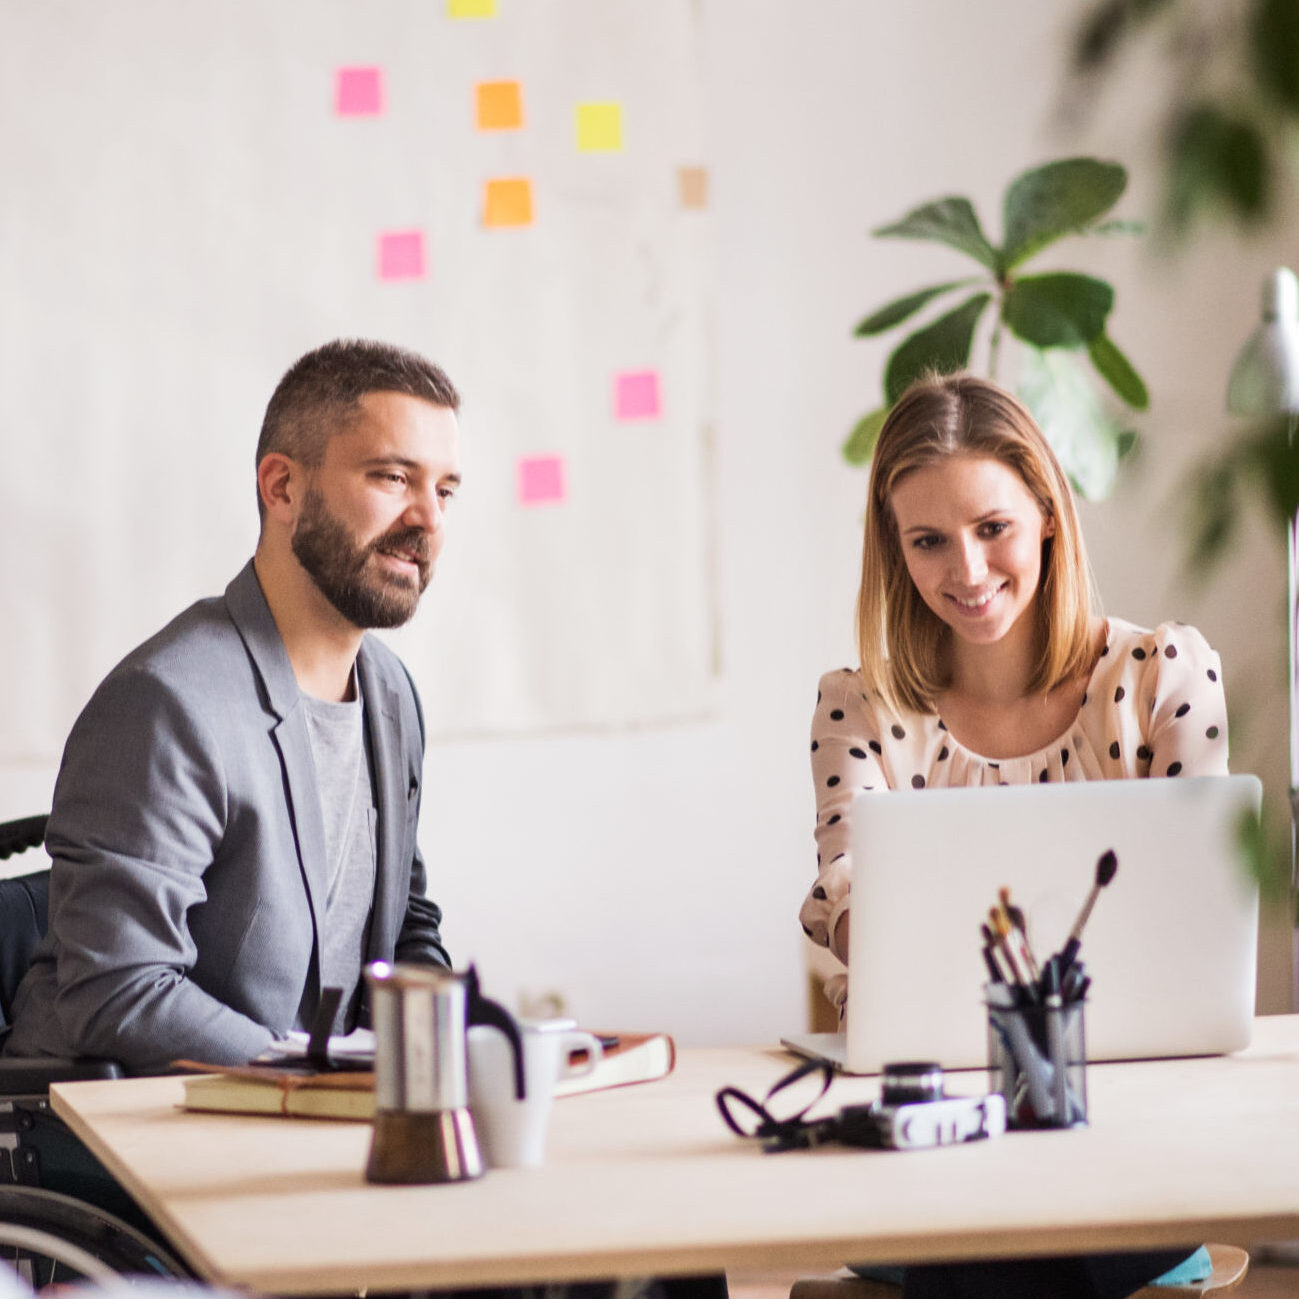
(1170,945)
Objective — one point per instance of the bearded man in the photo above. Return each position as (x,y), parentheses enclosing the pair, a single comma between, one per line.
(234,822)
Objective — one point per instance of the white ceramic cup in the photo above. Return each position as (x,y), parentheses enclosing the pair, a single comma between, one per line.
(512,1132)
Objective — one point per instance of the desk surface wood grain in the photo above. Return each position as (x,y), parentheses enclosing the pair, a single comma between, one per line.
(646,1179)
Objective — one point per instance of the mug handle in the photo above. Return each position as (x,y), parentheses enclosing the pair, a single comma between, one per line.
(579,1041)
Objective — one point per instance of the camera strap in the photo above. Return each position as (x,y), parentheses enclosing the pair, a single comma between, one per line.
(793,1132)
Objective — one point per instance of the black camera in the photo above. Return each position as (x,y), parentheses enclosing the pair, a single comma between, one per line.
(914,1112)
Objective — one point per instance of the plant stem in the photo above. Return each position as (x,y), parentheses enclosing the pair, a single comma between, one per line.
(994,348)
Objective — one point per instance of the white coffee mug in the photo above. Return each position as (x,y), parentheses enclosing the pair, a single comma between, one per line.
(512,1132)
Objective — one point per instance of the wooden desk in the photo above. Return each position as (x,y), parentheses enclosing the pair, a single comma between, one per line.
(647,1180)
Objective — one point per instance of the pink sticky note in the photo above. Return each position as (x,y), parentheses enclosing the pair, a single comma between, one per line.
(401,255)
(636,395)
(358,92)
(541,479)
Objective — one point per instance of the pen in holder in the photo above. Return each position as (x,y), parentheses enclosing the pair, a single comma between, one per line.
(1037,1057)
(1037,1040)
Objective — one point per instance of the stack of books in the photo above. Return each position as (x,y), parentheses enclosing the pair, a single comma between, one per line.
(296,1092)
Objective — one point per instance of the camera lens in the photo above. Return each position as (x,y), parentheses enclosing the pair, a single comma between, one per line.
(908,1081)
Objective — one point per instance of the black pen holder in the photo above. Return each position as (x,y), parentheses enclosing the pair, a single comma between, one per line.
(1037,1059)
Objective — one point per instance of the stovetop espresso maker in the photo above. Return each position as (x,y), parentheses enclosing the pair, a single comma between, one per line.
(423,1131)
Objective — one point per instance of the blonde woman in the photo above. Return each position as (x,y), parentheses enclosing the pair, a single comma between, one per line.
(984,657)
(986,661)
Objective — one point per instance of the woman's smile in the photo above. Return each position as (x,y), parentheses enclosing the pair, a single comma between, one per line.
(971,533)
(978,602)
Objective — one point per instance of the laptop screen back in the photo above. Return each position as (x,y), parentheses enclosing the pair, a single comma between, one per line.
(1170,945)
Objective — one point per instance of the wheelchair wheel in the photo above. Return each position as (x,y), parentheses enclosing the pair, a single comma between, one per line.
(47,1237)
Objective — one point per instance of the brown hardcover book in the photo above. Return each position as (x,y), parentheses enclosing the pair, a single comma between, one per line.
(638,1057)
(251,1089)
(295,1093)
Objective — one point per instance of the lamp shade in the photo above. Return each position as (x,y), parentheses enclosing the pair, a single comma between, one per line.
(1265,378)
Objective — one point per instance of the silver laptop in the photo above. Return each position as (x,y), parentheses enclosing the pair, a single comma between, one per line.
(1170,945)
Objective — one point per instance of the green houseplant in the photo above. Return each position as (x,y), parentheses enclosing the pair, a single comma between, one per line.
(1224,119)
(1230,82)
(1058,317)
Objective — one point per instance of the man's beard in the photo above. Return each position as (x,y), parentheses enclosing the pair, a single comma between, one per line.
(366,594)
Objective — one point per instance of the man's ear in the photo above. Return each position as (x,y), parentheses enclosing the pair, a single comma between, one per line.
(278,484)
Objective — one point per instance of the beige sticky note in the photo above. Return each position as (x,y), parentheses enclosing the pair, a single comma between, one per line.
(692,186)
(599,128)
(498,105)
(507,202)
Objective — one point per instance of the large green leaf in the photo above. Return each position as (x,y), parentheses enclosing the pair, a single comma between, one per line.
(1106,25)
(1276,457)
(1216,159)
(860,446)
(1118,371)
(1056,388)
(1129,444)
(1274,45)
(1262,459)
(943,345)
(895,312)
(1212,513)
(1058,310)
(1116,226)
(1055,200)
(1264,850)
(946,221)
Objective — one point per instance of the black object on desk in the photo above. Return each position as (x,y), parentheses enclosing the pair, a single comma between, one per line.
(1037,1054)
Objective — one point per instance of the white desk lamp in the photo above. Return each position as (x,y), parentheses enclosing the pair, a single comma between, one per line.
(1265,382)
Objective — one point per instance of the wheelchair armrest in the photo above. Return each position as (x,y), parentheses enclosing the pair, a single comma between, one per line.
(23,1077)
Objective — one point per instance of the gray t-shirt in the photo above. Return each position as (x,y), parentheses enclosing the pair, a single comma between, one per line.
(338,748)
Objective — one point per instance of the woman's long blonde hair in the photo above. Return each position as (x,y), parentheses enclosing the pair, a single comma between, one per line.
(899,637)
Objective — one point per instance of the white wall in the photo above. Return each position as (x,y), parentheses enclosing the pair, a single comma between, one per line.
(653,878)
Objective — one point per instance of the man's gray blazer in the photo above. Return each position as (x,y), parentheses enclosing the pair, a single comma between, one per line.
(188,847)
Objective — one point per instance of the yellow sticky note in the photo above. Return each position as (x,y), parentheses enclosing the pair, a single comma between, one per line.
(471,8)
(599,128)
(499,105)
(507,202)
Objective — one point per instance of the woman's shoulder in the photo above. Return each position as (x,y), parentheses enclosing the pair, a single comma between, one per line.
(839,687)
(838,681)
(842,697)
(1168,641)
(1169,669)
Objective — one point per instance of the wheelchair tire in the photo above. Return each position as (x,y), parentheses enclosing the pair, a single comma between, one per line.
(50,1237)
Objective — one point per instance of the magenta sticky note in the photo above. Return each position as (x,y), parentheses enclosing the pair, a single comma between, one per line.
(541,480)
(636,395)
(358,92)
(401,255)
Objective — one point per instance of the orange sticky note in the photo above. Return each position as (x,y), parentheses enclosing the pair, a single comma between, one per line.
(471,8)
(599,128)
(507,202)
(499,105)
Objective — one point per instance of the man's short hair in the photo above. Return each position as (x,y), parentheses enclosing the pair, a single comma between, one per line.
(321,392)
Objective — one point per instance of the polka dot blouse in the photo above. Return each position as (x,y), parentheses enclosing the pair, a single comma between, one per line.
(1154,707)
